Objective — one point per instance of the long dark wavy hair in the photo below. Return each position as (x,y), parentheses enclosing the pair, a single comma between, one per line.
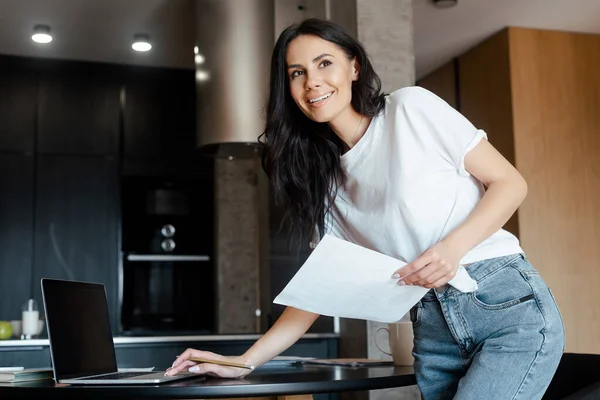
(301,157)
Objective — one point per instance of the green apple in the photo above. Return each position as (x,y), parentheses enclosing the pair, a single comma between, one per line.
(5,330)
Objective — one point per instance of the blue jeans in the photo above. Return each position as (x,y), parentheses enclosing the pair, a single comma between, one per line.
(502,342)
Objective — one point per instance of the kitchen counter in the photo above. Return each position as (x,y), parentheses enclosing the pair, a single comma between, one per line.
(160,351)
(167,339)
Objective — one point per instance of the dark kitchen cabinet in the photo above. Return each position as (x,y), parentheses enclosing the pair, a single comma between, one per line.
(161,354)
(17,104)
(76,232)
(16,232)
(192,167)
(78,108)
(131,355)
(159,116)
(69,131)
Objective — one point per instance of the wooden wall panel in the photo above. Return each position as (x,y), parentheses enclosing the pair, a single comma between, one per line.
(485,97)
(556,111)
(442,82)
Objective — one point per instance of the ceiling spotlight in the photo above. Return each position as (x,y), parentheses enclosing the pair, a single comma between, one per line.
(445,3)
(41,34)
(141,42)
(202,75)
(196,50)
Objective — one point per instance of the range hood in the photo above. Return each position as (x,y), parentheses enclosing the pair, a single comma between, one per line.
(234,41)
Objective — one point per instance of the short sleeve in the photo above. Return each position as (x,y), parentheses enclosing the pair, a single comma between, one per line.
(440,127)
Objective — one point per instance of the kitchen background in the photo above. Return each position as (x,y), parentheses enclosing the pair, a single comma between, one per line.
(118,167)
(106,177)
(103,181)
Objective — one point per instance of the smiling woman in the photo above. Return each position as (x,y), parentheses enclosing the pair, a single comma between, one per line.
(323,95)
(408,176)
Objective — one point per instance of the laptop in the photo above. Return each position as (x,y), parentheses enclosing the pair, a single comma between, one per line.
(81,342)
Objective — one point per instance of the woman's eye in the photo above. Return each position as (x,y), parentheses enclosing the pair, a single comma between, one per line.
(295,74)
(325,63)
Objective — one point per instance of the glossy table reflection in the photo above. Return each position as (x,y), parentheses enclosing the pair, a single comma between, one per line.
(265,381)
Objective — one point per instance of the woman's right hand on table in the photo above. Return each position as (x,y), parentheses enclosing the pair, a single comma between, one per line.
(183,364)
(290,326)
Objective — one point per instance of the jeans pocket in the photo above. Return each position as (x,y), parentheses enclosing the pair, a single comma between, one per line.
(416,314)
(504,305)
(504,288)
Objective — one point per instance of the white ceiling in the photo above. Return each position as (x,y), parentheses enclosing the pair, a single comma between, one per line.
(441,34)
(102,30)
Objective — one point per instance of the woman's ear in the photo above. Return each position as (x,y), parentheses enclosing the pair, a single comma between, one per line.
(355,69)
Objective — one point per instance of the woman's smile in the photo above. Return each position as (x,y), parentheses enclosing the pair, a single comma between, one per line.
(319,101)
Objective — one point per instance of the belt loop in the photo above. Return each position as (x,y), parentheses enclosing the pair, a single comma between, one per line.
(439,292)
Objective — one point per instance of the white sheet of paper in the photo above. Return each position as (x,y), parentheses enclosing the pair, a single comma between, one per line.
(342,279)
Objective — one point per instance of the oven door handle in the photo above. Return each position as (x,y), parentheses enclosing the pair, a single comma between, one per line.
(166,257)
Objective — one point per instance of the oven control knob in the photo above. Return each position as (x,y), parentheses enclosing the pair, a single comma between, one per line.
(168,245)
(168,231)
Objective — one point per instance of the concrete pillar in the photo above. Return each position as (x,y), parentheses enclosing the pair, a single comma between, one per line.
(385,28)
(241,199)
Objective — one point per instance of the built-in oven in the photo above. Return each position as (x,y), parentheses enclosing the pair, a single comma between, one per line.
(167,277)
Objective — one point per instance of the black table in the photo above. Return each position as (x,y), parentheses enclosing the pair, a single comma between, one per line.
(266,381)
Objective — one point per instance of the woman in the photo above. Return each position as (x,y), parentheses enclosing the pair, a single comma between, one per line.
(404,175)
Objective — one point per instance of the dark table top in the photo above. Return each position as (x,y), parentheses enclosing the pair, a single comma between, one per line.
(266,381)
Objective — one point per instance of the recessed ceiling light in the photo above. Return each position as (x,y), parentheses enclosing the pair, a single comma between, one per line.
(445,3)
(141,42)
(41,34)
(202,75)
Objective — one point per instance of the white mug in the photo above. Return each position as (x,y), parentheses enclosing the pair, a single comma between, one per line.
(401,342)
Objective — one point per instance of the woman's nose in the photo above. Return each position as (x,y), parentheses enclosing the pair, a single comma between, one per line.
(313,81)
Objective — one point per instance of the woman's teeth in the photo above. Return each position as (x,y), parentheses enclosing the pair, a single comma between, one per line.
(325,96)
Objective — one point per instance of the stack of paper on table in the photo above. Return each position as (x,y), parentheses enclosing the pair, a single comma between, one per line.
(25,375)
(349,362)
(285,361)
(342,279)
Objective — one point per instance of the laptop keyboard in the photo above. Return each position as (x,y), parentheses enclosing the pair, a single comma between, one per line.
(117,375)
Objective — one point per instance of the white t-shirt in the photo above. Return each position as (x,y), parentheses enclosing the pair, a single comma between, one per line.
(407,186)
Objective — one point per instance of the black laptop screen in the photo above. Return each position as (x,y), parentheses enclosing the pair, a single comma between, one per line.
(79,328)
